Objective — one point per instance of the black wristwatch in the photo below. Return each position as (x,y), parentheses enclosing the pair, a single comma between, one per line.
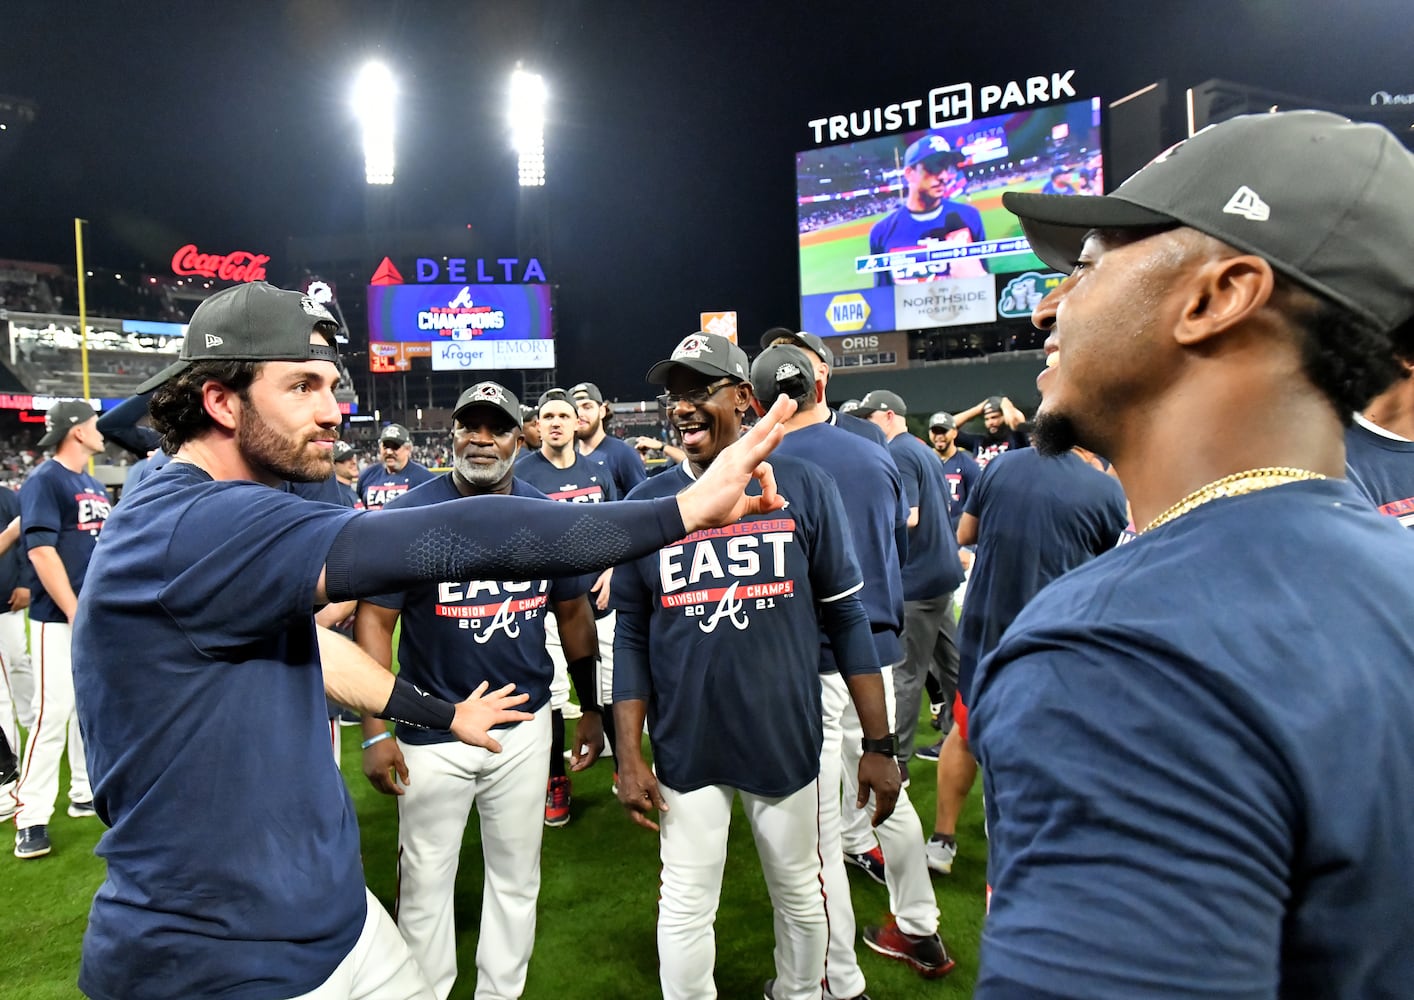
(887,745)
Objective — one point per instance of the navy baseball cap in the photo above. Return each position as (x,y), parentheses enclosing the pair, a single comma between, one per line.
(783,368)
(491,394)
(706,354)
(63,417)
(932,147)
(252,322)
(396,433)
(880,400)
(1327,201)
(784,335)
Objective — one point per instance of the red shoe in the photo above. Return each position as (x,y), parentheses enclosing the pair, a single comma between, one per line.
(557,801)
(927,955)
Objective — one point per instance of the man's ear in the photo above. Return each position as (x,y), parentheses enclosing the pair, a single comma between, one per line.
(222,403)
(1223,294)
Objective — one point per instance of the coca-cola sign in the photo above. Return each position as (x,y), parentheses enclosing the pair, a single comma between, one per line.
(238,265)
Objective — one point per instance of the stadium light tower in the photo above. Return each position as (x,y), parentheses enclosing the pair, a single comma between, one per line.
(527,120)
(375,102)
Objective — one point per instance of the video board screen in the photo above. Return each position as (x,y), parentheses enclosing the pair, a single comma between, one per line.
(908,231)
(465,312)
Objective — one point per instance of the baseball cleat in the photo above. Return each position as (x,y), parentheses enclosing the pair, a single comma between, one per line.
(32,842)
(871,863)
(940,854)
(927,955)
(557,801)
(930,753)
(81,810)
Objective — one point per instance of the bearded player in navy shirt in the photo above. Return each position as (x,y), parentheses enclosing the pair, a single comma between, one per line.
(223,880)
(456,635)
(718,647)
(616,456)
(1197,749)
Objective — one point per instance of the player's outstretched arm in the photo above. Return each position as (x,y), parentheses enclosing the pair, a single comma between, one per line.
(718,497)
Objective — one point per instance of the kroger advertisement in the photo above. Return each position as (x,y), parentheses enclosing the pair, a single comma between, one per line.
(468,326)
(907,231)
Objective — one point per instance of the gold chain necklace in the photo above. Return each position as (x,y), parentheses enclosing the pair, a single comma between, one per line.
(1234,485)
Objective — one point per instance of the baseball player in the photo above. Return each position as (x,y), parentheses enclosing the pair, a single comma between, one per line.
(1379,444)
(457,635)
(718,647)
(346,474)
(596,444)
(233,850)
(1002,432)
(872,492)
(1168,813)
(62,511)
(928,216)
(960,469)
(395,474)
(16,676)
(823,360)
(559,472)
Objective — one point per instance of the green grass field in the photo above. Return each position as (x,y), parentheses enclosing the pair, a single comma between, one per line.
(827,255)
(595,935)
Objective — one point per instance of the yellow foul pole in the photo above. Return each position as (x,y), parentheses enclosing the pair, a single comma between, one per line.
(83,313)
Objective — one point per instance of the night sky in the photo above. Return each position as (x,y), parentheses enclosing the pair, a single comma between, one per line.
(669,150)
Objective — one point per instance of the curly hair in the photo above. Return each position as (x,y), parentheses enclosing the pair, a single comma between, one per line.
(1346,357)
(178,413)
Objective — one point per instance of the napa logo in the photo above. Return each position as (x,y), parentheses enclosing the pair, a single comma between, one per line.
(1024,293)
(847,313)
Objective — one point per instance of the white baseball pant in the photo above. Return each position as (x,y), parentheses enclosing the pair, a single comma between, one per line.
(604,670)
(508,790)
(380,966)
(693,846)
(911,897)
(15,662)
(55,723)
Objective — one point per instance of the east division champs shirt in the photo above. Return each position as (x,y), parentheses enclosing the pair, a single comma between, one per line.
(377,486)
(458,633)
(1381,467)
(66,510)
(719,633)
(585,481)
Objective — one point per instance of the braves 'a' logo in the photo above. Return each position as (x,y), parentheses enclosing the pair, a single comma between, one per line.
(730,608)
(504,621)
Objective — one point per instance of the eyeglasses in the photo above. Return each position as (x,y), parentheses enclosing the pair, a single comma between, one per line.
(695,396)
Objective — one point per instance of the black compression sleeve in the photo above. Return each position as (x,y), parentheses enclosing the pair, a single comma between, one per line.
(410,705)
(492,538)
(582,672)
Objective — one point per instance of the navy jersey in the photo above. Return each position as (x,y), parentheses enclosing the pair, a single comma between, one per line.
(932,568)
(325,491)
(66,510)
(961,472)
(902,229)
(872,493)
(377,486)
(1199,763)
(457,633)
(621,460)
(14,565)
(1382,468)
(864,428)
(210,585)
(719,634)
(1038,517)
(985,447)
(585,481)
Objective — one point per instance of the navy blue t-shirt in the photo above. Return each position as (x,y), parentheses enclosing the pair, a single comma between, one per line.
(904,229)
(985,447)
(14,565)
(1382,468)
(377,486)
(621,461)
(1038,518)
(864,428)
(1199,762)
(233,849)
(585,481)
(872,493)
(65,510)
(719,634)
(932,568)
(457,633)
(961,472)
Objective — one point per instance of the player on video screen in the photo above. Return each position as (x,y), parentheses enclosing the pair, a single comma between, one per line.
(928,216)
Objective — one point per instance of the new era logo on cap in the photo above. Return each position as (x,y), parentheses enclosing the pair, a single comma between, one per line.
(1248,204)
(213,341)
